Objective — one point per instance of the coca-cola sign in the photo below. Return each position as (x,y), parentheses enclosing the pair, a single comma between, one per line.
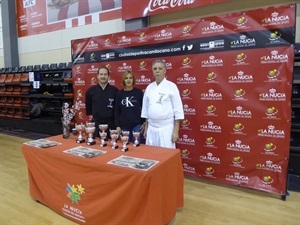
(134,9)
(167,4)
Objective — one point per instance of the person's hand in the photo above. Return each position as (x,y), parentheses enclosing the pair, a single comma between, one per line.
(143,129)
(175,134)
(175,137)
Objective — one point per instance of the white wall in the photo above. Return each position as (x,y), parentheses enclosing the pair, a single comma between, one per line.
(55,47)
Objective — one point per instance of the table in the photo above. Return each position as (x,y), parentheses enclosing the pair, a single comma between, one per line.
(104,193)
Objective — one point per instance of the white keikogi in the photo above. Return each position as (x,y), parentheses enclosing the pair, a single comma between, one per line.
(161,106)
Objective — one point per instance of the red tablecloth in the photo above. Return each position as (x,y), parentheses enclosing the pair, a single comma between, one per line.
(105,193)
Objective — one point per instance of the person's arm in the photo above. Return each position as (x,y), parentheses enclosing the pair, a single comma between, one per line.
(117,112)
(175,134)
(88,103)
(144,128)
(144,114)
(178,113)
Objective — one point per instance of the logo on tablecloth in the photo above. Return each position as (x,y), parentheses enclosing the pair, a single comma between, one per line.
(74,193)
(69,210)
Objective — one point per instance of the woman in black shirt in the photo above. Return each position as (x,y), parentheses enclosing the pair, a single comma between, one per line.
(128,107)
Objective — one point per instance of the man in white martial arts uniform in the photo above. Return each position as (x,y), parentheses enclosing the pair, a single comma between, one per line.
(162,108)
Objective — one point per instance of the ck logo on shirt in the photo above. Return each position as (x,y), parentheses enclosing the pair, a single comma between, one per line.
(127,101)
(110,105)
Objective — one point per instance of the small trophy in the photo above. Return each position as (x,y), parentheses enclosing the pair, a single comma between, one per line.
(124,139)
(90,130)
(126,133)
(103,134)
(114,136)
(79,128)
(136,136)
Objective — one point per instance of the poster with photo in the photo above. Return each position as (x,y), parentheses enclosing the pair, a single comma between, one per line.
(84,152)
(133,162)
(62,10)
(35,17)
(42,143)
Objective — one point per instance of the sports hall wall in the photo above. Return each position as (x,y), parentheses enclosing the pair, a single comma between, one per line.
(37,49)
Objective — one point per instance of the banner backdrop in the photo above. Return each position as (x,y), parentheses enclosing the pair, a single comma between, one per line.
(234,73)
(40,16)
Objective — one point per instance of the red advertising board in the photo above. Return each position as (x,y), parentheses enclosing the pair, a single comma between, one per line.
(142,8)
(234,73)
(40,16)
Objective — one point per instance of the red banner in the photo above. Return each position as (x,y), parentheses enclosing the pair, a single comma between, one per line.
(142,8)
(40,16)
(234,73)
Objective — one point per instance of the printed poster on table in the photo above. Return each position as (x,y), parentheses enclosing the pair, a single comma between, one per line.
(133,162)
(42,143)
(84,152)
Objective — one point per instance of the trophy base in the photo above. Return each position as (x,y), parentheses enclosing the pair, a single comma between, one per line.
(114,147)
(80,141)
(103,145)
(124,149)
(136,145)
(91,142)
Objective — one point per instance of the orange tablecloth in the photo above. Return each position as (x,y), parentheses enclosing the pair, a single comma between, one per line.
(110,194)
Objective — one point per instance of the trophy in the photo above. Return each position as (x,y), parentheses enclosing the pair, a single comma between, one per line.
(103,134)
(114,136)
(136,136)
(79,128)
(90,130)
(124,139)
(126,133)
(68,114)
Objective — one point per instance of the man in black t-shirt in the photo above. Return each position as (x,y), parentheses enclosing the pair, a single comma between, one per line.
(100,101)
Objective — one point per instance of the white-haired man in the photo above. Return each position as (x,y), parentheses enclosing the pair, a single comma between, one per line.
(162,108)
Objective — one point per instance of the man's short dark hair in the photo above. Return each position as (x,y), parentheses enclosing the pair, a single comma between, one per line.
(103,67)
